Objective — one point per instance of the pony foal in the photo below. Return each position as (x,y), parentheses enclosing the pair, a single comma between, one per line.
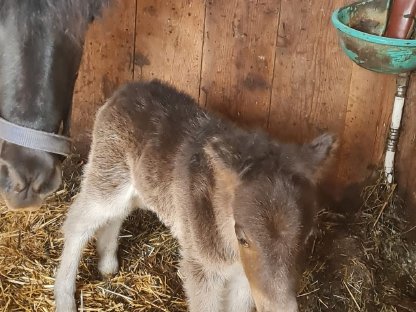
(240,204)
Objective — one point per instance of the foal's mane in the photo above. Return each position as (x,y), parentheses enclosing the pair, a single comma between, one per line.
(68,16)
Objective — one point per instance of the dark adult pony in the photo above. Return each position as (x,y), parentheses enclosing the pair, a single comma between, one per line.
(41,45)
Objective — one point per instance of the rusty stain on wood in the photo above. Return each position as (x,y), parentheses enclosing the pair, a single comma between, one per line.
(140,59)
(254,81)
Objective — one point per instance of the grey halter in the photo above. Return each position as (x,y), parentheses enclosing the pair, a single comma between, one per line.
(35,139)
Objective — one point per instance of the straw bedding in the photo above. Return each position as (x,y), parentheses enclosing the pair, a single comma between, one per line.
(358,262)
(30,247)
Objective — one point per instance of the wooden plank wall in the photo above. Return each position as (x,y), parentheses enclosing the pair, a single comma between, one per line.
(273,64)
(106,63)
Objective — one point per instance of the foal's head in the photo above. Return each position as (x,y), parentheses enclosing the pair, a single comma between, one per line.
(40,51)
(274,208)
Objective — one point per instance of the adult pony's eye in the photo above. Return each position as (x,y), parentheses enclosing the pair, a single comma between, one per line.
(241,237)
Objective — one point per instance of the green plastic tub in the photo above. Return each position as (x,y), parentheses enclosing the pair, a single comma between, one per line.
(359,27)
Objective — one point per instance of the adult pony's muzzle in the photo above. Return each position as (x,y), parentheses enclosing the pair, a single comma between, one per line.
(27,176)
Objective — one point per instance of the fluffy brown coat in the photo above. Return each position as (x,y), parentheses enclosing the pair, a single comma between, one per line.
(240,204)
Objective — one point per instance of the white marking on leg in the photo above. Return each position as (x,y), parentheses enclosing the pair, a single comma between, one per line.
(107,243)
(87,214)
(77,232)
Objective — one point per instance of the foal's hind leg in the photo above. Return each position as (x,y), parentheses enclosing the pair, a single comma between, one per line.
(107,243)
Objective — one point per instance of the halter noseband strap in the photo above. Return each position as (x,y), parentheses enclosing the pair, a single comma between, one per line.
(31,138)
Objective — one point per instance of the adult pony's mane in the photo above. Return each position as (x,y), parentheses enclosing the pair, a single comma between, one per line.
(68,16)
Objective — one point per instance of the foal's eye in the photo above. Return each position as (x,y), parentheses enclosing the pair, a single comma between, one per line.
(241,236)
(243,242)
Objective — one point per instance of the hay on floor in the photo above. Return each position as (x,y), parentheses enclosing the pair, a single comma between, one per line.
(361,260)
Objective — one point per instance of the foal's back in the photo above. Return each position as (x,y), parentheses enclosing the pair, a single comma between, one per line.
(150,111)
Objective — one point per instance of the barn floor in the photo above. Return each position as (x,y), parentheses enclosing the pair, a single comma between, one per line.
(357,262)
(361,260)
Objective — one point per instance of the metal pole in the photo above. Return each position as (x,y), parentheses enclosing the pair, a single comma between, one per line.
(402,82)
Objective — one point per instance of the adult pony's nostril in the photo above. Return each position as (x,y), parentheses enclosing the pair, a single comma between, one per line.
(40,188)
(37,186)
(18,188)
(21,185)
(46,183)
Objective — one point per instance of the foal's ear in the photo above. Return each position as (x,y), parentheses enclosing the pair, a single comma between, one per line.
(221,159)
(316,156)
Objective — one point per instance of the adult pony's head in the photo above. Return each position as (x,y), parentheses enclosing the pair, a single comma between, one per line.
(41,45)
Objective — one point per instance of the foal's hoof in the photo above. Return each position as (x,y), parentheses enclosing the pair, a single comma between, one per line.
(64,297)
(66,304)
(108,267)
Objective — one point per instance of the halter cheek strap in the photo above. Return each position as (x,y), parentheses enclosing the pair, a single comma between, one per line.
(35,139)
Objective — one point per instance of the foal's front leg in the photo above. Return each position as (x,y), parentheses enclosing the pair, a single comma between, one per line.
(82,221)
(203,288)
(238,294)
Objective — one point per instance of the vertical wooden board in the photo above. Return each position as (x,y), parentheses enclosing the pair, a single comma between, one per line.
(406,158)
(366,122)
(106,63)
(408,191)
(239,49)
(169,37)
(312,76)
